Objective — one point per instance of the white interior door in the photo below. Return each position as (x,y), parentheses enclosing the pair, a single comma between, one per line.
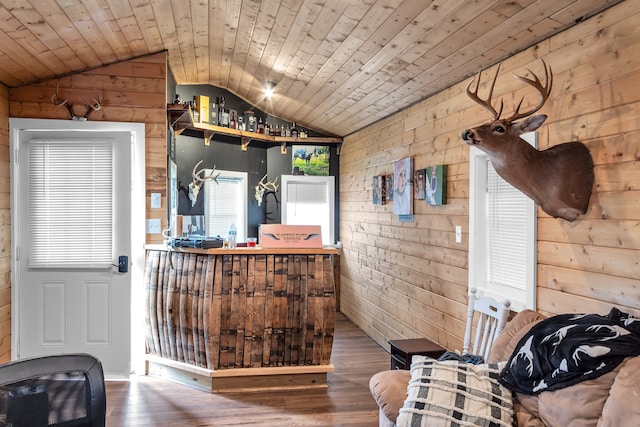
(72,224)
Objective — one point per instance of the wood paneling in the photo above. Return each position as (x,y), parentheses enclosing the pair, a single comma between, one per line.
(338,65)
(131,91)
(407,280)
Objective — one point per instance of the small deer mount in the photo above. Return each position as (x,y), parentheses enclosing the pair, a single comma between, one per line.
(90,107)
(196,182)
(265,187)
(559,179)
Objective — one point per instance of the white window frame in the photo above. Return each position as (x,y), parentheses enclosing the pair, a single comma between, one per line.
(240,219)
(325,183)
(479,252)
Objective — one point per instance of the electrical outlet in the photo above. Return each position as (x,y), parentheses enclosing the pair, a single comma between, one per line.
(458,234)
(153,226)
(156,201)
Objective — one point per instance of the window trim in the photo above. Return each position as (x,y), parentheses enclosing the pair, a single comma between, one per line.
(328,237)
(478,253)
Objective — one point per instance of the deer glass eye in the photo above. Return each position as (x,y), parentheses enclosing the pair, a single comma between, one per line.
(499,129)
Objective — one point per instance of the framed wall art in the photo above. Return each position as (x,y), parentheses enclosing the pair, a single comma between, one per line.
(402,186)
(388,185)
(419,182)
(436,185)
(310,160)
(378,190)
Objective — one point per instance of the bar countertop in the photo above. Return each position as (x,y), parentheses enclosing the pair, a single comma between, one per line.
(326,250)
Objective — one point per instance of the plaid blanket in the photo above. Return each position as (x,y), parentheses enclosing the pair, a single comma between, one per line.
(455,394)
(566,349)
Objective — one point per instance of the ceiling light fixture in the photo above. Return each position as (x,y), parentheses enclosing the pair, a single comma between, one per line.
(268,91)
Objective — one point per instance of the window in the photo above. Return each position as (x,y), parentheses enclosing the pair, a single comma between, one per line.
(226,204)
(502,235)
(309,200)
(71,203)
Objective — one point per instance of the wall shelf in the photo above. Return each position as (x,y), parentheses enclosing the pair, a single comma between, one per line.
(180,117)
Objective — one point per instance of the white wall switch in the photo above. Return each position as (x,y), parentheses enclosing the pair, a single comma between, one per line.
(458,234)
(153,226)
(156,201)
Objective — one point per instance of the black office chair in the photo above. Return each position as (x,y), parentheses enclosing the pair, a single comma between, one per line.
(62,390)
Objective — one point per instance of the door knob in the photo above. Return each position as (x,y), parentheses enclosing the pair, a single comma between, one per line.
(123,264)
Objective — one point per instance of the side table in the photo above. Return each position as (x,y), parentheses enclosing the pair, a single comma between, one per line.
(403,350)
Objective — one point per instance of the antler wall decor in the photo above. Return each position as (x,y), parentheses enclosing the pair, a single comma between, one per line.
(90,107)
(559,179)
(268,187)
(196,181)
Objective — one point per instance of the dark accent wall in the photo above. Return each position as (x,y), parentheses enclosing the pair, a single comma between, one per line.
(226,154)
(256,161)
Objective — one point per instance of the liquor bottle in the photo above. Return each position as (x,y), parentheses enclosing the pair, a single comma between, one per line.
(260,126)
(221,112)
(213,111)
(294,131)
(232,121)
(196,114)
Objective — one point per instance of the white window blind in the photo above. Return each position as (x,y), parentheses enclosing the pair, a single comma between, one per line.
(502,235)
(507,232)
(70,204)
(309,200)
(226,204)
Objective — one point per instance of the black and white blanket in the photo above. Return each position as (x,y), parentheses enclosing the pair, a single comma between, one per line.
(569,348)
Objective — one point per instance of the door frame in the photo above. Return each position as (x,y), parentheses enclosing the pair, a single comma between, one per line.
(137,220)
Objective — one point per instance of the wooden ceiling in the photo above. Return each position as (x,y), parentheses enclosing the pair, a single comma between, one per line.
(338,65)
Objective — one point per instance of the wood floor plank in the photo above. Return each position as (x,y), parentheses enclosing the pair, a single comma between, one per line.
(148,401)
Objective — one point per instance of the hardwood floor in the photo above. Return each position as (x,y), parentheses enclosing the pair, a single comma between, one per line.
(148,401)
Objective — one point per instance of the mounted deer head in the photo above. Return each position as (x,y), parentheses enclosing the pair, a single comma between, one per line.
(89,107)
(559,179)
(268,187)
(196,182)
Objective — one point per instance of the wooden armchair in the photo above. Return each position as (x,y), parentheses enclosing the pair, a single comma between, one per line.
(490,317)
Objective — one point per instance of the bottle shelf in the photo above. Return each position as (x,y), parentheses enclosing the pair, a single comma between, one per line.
(180,117)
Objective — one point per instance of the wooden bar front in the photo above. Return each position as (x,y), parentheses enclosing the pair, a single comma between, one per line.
(240,312)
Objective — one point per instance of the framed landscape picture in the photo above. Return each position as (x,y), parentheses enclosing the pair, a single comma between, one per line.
(436,185)
(310,160)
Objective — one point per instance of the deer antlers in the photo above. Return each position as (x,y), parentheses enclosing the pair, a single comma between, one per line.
(544,91)
(89,108)
(262,187)
(196,182)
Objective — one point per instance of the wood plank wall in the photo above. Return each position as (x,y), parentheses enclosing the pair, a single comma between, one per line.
(131,91)
(5,230)
(410,279)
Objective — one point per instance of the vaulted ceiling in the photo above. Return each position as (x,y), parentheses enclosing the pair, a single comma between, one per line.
(338,65)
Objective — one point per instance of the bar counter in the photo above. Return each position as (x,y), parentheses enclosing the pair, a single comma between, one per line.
(243,318)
